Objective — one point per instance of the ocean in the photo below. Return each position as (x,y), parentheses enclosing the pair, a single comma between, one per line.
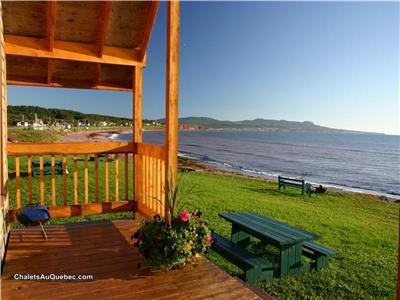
(354,162)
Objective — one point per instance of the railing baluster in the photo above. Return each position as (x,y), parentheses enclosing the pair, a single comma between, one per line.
(75,180)
(106,179)
(86,180)
(144,163)
(30,178)
(116,177)
(151,199)
(158,185)
(64,165)
(53,181)
(126,177)
(96,176)
(41,180)
(147,181)
(154,180)
(163,188)
(155,197)
(17,183)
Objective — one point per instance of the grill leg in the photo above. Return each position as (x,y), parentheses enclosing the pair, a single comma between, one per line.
(44,232)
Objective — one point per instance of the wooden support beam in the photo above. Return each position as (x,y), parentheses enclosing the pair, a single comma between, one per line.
(150,20)
(172,86)
(103,25)
(35,47)
(105,16)
(51,28)
(51,24)
(137,130)
(11,80)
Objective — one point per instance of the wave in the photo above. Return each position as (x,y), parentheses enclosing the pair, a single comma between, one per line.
(333,162)
(114,136)
(274,175)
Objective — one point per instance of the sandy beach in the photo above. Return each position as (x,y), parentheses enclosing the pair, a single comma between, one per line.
(90,136)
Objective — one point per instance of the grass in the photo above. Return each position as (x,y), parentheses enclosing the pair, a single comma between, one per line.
(18,135)
(360,227)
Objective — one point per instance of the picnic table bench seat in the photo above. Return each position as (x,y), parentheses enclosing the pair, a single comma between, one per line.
(320,254)
(255,268)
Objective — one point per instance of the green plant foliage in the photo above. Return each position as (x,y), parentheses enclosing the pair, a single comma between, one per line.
(171,246)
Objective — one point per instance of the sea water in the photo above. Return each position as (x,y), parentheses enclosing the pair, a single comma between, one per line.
(357,162)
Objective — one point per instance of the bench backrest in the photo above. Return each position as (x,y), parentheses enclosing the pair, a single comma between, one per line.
(290,180)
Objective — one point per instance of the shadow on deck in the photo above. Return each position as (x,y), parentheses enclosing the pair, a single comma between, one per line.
(104,249)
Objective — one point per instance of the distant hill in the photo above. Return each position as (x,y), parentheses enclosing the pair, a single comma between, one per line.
(258,124)
(16,112)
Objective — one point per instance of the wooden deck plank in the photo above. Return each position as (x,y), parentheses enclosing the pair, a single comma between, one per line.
(105,250)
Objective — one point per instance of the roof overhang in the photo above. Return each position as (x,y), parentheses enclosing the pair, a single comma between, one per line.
(77,44)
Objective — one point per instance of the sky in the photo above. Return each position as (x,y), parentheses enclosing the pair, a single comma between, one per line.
(333,63)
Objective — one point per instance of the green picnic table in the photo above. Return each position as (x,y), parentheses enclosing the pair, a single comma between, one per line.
(291,241)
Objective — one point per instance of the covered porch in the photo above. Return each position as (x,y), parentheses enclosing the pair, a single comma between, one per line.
(92,45)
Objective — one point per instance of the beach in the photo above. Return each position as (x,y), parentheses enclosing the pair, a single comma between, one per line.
(91,136)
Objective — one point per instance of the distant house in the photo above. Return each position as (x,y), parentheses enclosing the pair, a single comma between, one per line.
(22,124)
(38,125)
(102,124)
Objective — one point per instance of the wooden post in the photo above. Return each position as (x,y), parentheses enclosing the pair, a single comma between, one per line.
(4,200)
(172,85)
(137,131)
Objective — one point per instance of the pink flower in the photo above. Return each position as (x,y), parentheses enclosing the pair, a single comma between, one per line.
(185,215)
(208,239)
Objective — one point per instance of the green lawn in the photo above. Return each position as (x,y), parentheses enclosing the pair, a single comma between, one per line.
(361,228)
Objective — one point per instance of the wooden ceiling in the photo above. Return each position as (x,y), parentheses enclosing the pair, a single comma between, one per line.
(79,44)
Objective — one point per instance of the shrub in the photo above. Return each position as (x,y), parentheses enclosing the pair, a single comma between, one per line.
(169,247)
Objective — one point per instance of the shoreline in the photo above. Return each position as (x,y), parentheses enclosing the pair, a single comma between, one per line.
(100,135)
(190,164)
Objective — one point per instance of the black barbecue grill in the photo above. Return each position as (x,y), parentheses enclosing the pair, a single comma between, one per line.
(34,215)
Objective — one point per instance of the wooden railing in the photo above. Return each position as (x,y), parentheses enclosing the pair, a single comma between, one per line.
(152,183)
(91,178)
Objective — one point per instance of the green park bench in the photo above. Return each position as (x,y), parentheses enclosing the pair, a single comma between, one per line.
(296,183)
(255,268)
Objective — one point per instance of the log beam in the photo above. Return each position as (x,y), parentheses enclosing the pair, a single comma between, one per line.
(51,28)
(51,24)
(66,84)
(105,16)
(151,18)
(103,25)
(38,48)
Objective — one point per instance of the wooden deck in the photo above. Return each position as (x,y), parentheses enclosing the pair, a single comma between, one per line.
(104,250)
